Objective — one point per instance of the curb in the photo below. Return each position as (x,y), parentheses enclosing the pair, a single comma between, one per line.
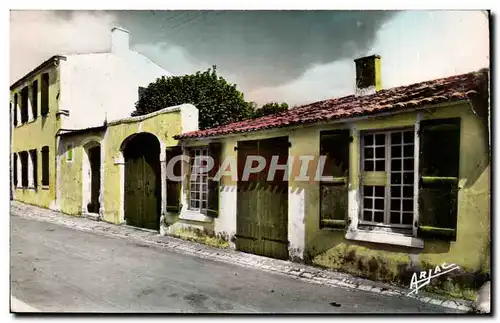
(299,271)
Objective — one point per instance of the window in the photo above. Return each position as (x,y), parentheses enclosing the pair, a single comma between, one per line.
(34,99)
(388,178)
(14,169)
(198,184)
(69,153)
(15,109)
(45,165)
(24,168)
(33,157)
(44,95)
(24,105)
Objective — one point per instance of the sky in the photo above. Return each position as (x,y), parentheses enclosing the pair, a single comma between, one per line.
(296,57)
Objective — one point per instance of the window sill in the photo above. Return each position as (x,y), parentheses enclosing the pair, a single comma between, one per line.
(385,238)
(45,187)
(194,216)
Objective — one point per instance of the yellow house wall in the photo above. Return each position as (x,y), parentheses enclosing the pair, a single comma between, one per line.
(71,171)
(36,134)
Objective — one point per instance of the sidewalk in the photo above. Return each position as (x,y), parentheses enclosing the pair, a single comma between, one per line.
(299,271)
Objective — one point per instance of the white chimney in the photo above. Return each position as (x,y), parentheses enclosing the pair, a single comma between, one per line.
(119,40)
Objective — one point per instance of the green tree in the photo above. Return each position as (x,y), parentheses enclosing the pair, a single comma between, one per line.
(218,101)
(270,108)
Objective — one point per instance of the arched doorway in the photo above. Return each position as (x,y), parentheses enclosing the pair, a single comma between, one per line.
(91,177)
(142,181)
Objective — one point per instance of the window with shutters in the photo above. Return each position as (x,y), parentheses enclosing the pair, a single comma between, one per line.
(388,177)
(24,168)
(24,104)
(34,99)
(198,185)
(44,95)
(45,166)
(34,169)
(334,147)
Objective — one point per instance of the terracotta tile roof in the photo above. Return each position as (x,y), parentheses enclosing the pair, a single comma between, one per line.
(458,87)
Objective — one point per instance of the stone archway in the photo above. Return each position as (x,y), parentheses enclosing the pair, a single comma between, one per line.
(142,184)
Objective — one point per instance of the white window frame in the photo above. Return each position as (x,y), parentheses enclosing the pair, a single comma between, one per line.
(201,180)
(385,235)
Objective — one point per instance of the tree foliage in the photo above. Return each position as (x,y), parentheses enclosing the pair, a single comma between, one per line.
(270,108)
(218,101)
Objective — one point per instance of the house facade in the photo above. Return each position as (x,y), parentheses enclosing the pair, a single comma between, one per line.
(404,185)
(65,93)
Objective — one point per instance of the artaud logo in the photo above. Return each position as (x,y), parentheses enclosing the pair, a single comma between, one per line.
(298,168)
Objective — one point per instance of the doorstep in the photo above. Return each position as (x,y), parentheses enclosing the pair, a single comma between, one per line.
(297,270)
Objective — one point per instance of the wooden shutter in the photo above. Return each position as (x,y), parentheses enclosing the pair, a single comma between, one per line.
(34,162)
(174,187)
(439,174)
(45,165)
(214,151)
(15,109)
(44,94)
(334,194)
(15,170)
(34,99)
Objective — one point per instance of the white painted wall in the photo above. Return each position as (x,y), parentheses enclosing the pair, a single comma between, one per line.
(96,87)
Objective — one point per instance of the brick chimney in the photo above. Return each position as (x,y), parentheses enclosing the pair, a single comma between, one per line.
(368,75)
(119,40)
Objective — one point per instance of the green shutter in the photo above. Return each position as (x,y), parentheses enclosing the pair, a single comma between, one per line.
(174,187)
(214,151)
(439,175)
(334,194)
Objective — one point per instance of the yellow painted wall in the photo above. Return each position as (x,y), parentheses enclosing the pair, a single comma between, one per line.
(163,126)
(36,134)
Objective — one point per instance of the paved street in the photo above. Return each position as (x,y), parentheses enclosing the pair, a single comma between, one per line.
(54,268)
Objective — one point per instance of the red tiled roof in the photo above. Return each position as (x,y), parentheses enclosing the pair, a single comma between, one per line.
(458,87)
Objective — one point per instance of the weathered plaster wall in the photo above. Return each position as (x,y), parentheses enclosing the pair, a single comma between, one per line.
(163,125)
(36,134)
(71,182)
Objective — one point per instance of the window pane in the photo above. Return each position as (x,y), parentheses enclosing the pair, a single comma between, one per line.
(396,138)
(368,140)
(408,178)
(408,191)
(408,150)
(380,165)
(395,205)
(379,204)
(395,151)
(395,178)
(396,164)
(396,191)
(408,205)
(203,204)
(369,166)
(395,218)
(408,164)
(368,153)
(368,203)
(367,215)
(380,191)
(196,204)
(408,136)
(379,217)
(368,190)
(407,218)
(380,152)
(380,139)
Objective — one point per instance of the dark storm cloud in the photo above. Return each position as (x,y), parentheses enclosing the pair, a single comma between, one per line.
(263,48)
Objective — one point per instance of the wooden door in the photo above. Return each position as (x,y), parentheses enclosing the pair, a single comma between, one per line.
(262,205)
(95,178)
(142,184)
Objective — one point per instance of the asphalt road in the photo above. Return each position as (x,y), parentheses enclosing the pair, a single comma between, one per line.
(57,269)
